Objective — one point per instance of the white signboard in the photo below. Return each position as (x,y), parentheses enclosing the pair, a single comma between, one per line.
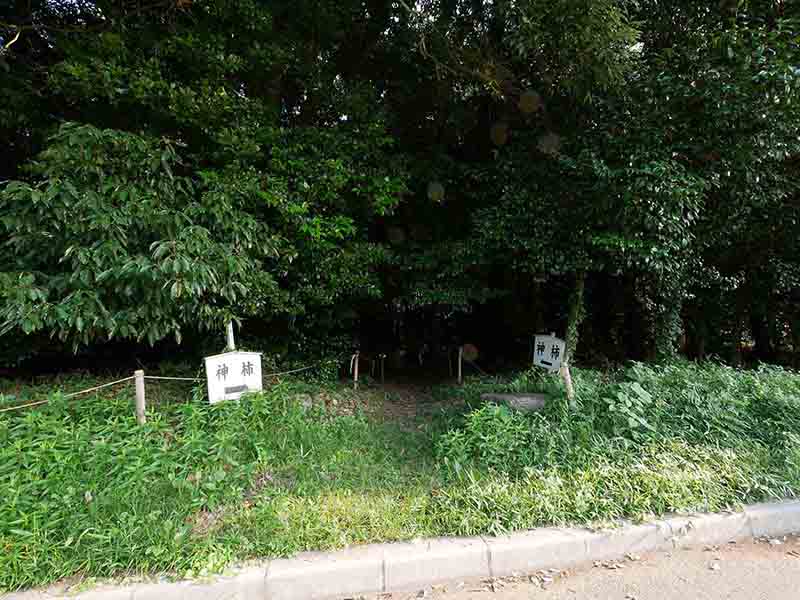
(548,352)
(232,374)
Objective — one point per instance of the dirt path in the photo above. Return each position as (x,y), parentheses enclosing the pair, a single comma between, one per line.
(401,403)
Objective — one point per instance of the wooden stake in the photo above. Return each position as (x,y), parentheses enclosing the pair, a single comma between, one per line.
(141,417)
(231,346)
(568,384)
(355,372)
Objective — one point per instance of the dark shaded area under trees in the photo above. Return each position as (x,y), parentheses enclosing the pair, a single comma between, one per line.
(400,176)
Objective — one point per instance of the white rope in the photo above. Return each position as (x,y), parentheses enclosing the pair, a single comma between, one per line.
(164,378)
(2,410)
(98,387)
(263,376)
(292,371)
(173,378)
(200,379)
(322,362)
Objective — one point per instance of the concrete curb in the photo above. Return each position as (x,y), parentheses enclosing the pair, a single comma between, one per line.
(414,565)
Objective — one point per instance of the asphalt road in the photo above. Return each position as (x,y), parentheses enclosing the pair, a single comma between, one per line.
(761,570)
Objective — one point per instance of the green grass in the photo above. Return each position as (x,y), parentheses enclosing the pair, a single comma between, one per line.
(88,493)
(643,442)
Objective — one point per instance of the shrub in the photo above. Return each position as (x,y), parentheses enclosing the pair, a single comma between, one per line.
(493,436)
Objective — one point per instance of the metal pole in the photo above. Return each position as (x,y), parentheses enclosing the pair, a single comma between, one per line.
(460,358)
(231,345)
(141,418)
(383,358)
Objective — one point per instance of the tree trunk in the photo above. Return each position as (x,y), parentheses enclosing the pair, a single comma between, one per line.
(696,331)
(796,341)
(738,325)
(758,285)
(538,308)
(667,296)
(701,347)
(761,335)
(576,313)
(574,318)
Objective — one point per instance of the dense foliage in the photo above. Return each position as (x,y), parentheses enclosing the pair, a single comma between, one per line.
(319,168)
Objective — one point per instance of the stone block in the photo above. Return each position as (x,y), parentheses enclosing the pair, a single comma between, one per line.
(414,565)
(248,584)
(708,529)
(520,402)
(532,551)
(324,576)
(630,539)
(774,519)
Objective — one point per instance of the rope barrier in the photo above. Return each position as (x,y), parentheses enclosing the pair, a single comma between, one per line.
(2,410)
(173,378)
(159,377)
(72,395)
(267,375)
(98,387)
(293,371)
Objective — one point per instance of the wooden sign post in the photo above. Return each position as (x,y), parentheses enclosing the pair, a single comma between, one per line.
(549,352)
(231,374)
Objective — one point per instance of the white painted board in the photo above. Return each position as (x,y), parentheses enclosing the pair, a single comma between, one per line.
(231,374)
(548,352)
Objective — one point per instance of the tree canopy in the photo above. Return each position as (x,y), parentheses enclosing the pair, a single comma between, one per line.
(622,170)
